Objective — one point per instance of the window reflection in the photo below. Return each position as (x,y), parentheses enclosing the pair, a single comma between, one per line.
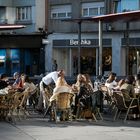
(107,60)
(127,5)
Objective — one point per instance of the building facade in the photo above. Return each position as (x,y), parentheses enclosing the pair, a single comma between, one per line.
(62,44)
(22,50)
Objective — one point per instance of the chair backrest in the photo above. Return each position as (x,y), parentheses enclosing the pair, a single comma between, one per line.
(2,98)
(107,92)
(126,95)
(105,89)
(63,100)
(120,102)
(48,93)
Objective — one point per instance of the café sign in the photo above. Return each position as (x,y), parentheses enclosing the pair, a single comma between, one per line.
(74,42)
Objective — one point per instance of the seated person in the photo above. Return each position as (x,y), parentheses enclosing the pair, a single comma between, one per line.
(29,88)
(89,83)
(17,79)
(3,81)
(110,82)
(5,88)
(128,92)
(80,89)
(18,85)
(85,90)
(120,83)
(129,87)
(76,86)
(61,86)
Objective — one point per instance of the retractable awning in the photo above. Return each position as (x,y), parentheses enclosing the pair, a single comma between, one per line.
(125,16)
(11,26)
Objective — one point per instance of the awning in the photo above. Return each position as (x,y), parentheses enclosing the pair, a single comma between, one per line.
(21,40)
(125,16)
(11,26)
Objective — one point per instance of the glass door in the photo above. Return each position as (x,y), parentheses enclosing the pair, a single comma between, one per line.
(87,61)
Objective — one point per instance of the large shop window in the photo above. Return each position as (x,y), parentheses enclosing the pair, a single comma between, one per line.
(132,60)
(87,59)
(107,60)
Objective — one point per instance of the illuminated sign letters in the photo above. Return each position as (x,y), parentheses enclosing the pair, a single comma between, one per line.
(83,42)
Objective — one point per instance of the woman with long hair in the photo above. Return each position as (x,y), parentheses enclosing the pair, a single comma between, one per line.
(29,89)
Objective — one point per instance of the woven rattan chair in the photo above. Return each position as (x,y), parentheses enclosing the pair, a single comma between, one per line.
(3,106)
(108,97)
(86,113)
(121,105)
(48,94)
(107,94)
(6,105)
(62,104)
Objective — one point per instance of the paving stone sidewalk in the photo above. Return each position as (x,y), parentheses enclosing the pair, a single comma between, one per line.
(38,128)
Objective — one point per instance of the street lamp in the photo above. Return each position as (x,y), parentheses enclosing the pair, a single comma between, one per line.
(137,61)
(127,47)
(79,47)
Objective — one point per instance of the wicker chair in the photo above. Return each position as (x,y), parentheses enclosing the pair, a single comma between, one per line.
(15,111)
(90,111)
(48,94)
(87,113)
(3,106)
(108,96)
(121,105)
(6,106)
(63,104)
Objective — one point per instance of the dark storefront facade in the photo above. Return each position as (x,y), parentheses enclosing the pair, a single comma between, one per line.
(22,53)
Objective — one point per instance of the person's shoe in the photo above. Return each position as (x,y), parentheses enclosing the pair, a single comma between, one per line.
(27,113)
(58,119)
(74,117)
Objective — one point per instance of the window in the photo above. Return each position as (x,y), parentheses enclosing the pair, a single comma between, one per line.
(23,13)
(127,5)
(85,12)
(92,9)
(61,15)
(102,10)
(61,11)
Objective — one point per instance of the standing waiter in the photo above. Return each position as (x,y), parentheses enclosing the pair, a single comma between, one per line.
(45,82)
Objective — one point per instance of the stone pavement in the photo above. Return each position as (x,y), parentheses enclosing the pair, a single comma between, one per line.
(38,128)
